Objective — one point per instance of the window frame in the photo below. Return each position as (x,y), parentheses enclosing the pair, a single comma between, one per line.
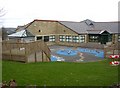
(52,38)
(68,38)
(93,38)
(62,38)
(118,37)
(81,38)
(75,39)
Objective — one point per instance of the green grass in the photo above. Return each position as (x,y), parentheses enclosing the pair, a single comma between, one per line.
(0,71)
(60,73)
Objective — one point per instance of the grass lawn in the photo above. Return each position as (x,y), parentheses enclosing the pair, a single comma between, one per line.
(0,71)
(60,73)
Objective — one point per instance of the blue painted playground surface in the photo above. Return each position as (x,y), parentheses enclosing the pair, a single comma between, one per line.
(97,53)
(69,52)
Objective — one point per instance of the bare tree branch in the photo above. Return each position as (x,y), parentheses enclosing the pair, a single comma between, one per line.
(2,12)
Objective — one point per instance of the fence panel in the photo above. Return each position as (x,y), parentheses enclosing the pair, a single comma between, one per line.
(12,49)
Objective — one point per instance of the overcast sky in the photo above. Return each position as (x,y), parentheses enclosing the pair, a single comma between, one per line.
(20,12)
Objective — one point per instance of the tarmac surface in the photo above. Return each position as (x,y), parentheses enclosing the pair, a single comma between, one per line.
(80,57)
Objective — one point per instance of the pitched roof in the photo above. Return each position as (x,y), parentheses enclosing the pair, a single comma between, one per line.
(9,30)
(75,26)
(26,26)
(22,33)
(111,27)
(93,31)
(95,27)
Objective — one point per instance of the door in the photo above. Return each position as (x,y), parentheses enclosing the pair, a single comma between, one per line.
(104,39)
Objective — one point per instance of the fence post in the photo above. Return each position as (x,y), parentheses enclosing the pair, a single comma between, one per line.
(104,52)
(113,49)
(10,50)
(26,46)
(42,56)
(35,57)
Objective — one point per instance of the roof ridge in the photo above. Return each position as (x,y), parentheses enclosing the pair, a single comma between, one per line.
(93,30)
(45,20)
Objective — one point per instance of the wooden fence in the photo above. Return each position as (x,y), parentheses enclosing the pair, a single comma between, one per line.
(26,52)
(113,49)
(39,50)
(84,45)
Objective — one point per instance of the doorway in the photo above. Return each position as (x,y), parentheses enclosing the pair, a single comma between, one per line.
(104,37)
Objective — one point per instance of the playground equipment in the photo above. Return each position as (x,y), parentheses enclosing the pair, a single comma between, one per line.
(114,63)
(114,58)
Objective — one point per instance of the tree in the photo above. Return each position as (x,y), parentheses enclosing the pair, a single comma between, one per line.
(3,33)
(2,12)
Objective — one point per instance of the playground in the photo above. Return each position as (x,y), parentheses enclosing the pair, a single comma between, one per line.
(72,54)
(97,72)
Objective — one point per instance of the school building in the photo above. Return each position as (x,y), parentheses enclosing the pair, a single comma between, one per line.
(68,31)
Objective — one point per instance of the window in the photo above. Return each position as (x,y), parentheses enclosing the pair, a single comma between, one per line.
(119,38)
(69,38)
(75,39)
(39,38)
(94,38)
(39,31)
(46,38)
(62,38)
(109,38)
(82,38)
(52,38)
